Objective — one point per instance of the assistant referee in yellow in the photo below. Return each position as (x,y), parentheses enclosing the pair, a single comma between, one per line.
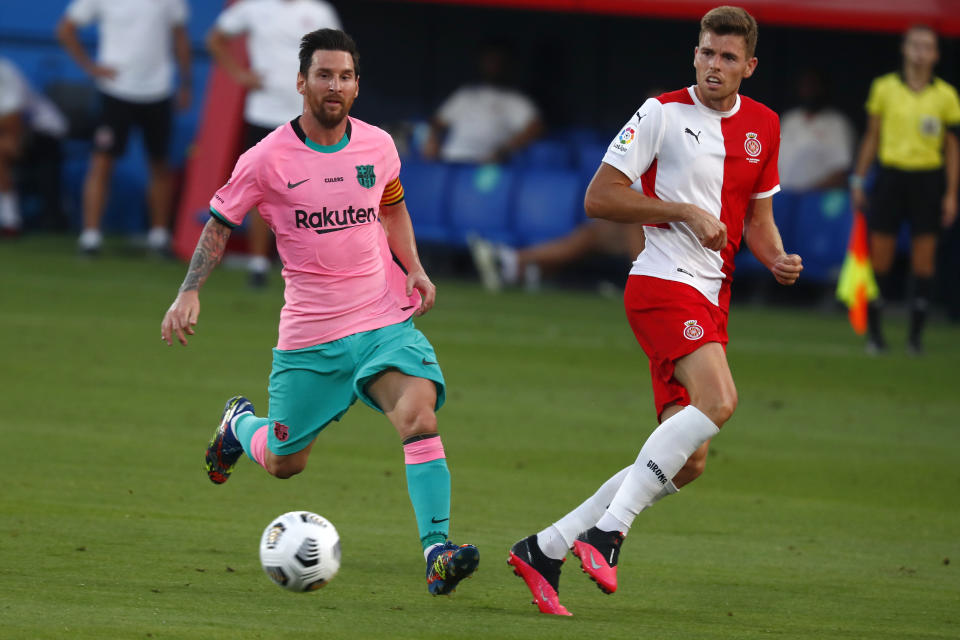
(913,121)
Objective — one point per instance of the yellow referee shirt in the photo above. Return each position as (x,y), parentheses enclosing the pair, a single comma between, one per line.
(912,123)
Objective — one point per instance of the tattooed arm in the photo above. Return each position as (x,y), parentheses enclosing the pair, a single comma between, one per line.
(183,313)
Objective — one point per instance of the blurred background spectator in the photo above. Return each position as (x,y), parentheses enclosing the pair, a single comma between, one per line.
(486,121)
(30,131)
(273,29)
(816,140)
(134,71)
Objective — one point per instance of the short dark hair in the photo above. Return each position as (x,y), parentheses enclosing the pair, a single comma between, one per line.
(729,20)
(920,26)
(327,40)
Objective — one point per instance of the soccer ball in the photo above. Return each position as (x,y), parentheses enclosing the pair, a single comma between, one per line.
(300,551)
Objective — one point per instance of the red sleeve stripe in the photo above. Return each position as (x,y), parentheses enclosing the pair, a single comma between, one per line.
(392,194)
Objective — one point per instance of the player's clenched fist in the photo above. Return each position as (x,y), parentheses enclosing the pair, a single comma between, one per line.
(711,233)
(180,318)
(786,269)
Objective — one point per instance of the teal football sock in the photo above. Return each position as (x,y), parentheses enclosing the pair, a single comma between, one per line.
(244,427)
(428,483)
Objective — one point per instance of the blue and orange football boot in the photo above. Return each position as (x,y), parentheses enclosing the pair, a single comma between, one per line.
(224,449)
(448,564)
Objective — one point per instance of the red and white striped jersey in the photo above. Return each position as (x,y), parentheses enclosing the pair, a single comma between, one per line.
(678,150)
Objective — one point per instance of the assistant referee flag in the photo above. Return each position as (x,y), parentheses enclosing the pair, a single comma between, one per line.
(857,286)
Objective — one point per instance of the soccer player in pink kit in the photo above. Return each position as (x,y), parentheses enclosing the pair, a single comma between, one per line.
(328,185)
(698,167)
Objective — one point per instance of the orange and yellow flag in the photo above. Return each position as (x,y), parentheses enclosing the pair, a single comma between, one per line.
(857,286)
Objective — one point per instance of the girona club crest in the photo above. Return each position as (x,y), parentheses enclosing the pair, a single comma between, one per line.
(281,431)
(752,145)
(691,330)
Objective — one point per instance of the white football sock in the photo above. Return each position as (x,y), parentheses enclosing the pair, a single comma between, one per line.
(556,539)
(426,552)
(661,457)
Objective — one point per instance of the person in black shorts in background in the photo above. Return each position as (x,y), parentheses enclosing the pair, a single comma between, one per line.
(912,129)
(134,72)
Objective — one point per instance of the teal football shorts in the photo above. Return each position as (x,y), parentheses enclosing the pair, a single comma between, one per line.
(311,387)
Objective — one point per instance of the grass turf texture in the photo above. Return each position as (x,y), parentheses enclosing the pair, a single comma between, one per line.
(829,508)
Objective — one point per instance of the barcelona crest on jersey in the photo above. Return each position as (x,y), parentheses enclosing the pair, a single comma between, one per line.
(365,175)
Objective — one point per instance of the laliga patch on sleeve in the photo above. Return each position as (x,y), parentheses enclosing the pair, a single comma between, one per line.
(622,144)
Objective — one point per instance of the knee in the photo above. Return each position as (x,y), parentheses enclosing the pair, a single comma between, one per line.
(419,421)
(284,467)
(720,407)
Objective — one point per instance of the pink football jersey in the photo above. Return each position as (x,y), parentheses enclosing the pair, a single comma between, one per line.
(323,205)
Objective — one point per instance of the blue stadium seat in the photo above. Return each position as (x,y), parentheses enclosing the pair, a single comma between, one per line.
(589,158)
(553,154)
(480,200)
(822,232)
(548,204)
(426,189)
(578,137)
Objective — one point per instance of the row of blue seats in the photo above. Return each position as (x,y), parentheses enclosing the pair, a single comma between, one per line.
(515,205)
(526,205)
(816,225)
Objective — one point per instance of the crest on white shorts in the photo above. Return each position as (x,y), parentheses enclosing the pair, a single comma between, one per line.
(691,330)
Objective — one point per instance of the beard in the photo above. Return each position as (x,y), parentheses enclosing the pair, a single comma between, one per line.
(329,120)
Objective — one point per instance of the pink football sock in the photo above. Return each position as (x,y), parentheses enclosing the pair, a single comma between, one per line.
(258,445)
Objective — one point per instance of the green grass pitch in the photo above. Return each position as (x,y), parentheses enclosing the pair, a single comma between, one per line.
(830,507)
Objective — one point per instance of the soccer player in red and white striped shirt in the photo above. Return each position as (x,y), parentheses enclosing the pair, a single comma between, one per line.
(697,167)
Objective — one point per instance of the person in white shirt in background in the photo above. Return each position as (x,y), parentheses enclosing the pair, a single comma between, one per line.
(484,122)
(273,29)
(816,140)
(24,114)
(134,71)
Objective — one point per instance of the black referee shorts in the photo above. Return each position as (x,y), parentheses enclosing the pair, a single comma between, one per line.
(117,117)
(907,196)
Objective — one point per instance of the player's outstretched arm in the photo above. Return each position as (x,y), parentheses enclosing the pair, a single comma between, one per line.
(610,197)
(763,238)
(399,229)
(182,315)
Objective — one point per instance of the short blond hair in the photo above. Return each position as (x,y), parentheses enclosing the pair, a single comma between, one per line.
(727,20)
